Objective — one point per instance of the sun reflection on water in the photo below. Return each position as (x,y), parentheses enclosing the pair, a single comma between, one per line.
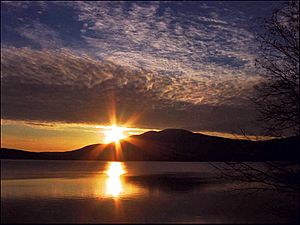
(114,186)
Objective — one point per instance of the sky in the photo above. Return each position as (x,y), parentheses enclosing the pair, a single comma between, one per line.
(67,67)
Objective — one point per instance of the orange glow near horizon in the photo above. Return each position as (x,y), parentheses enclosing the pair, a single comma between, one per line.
(116,132)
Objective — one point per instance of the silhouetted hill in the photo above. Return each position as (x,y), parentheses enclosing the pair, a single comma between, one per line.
(175,145)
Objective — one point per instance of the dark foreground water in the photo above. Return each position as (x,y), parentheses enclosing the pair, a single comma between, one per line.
(40,191)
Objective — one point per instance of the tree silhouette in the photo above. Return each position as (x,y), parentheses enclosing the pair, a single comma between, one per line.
(277,100)
(279,176)
(277,97)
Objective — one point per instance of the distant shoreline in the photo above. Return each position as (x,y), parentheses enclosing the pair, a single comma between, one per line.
(174,145)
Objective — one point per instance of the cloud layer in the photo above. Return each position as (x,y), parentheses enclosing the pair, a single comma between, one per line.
(178,64)
(62,86)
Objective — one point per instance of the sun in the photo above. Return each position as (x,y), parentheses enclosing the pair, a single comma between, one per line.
(114,134)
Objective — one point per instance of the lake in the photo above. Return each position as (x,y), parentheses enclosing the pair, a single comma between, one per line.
(42,191)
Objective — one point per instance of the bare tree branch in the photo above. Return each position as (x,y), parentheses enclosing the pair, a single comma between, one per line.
(276,176)
(277,98)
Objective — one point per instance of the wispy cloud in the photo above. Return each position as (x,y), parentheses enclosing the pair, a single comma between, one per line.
(180,63)
(157,38)
(65,67)
(198,51)
(61,85)
(41,35)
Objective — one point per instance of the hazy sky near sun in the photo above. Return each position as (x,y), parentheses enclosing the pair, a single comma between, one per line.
(167,64)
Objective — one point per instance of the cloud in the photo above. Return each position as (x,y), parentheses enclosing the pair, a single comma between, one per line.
(66,67)
(206,46)
(180,69)
(41,34)
(61,85)
(163,39)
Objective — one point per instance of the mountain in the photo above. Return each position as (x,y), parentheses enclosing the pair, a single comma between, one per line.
(174,145)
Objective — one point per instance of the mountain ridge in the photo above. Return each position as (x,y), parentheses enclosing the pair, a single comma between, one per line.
(173,145)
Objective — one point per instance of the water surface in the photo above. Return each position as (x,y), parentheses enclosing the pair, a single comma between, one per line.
(41,191)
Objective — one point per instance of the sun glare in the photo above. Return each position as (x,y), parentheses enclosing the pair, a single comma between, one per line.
(114,134)
(113,184)
(115,169)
